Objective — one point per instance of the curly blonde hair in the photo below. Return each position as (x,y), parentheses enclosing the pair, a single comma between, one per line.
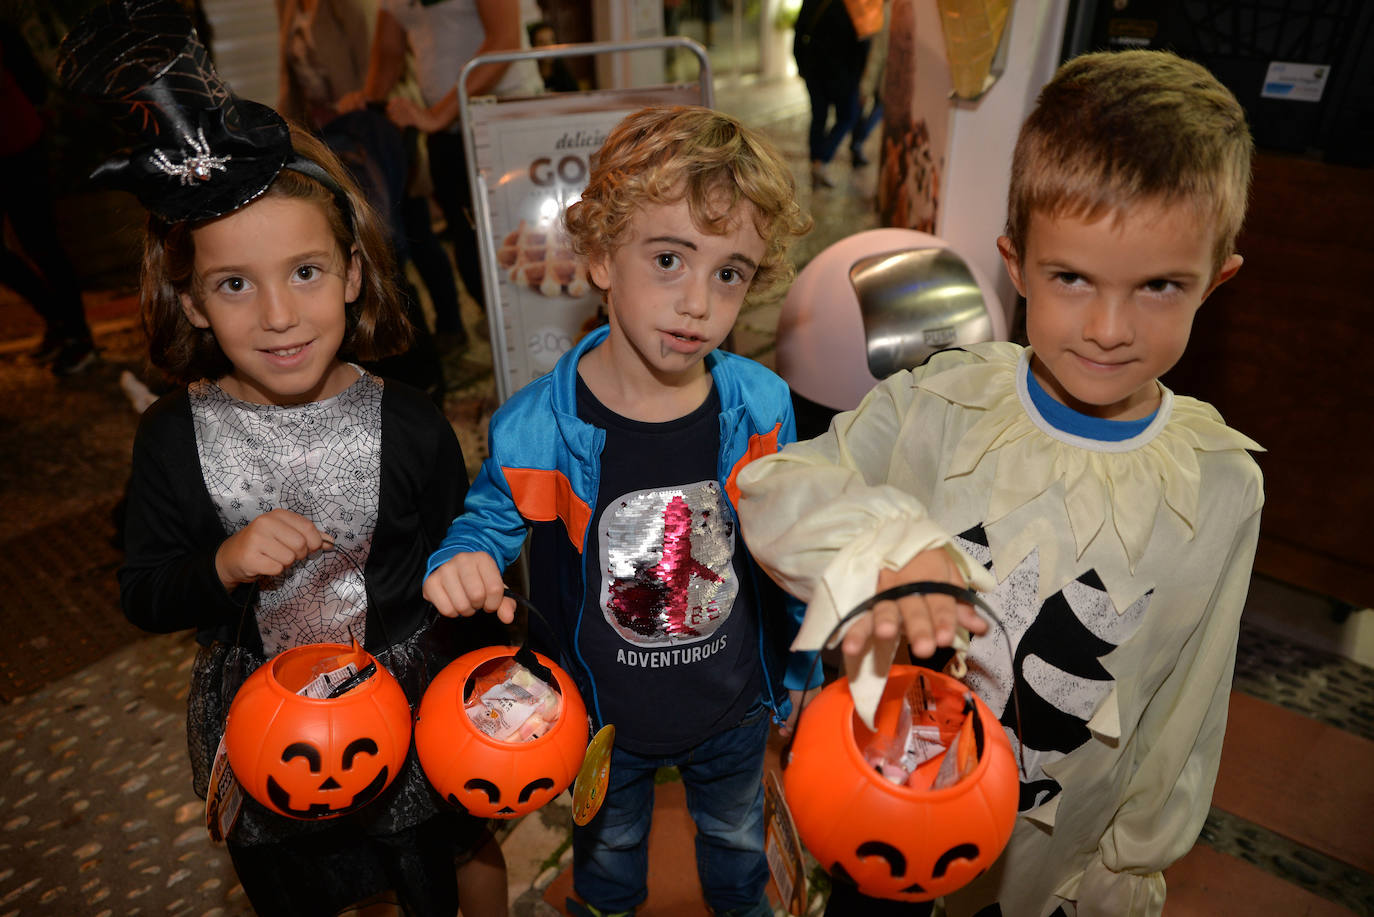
(664,155)
(1113,129)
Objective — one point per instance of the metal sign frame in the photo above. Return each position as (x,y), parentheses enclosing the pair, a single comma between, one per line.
(496,130)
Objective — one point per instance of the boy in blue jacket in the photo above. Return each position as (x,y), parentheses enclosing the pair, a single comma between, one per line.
(621,462)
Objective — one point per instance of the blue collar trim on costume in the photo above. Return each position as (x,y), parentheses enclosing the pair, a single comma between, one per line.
(1067,420)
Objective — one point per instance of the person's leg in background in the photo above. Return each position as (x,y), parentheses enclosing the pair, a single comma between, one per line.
(425,249)
(448,170)
(432,263)
(53,291)
(672,25)
(842,88)
(863,126)
(816,89)
(845,98)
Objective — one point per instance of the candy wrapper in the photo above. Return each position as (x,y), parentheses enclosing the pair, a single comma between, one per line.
(509,704)
(913,732)
(897,755)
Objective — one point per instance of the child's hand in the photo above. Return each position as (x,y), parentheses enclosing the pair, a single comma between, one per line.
(351,101)
(467,583)
(267,546)
(927,620)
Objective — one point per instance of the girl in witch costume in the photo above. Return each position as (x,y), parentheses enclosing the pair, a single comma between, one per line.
(283,495)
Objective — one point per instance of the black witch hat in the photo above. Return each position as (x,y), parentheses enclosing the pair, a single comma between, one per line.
(200,151)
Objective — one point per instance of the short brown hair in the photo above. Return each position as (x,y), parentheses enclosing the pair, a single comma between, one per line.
(1112,129)
(663,155)
(377,323)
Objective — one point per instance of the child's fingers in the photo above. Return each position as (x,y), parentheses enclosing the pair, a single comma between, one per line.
(492,595)
(274,557)
(299,532)
(876,632)
(472,582)
(437,594)
(284,529)
(856,641)
(971,620)
(449,589)
(467,590)
(929,623)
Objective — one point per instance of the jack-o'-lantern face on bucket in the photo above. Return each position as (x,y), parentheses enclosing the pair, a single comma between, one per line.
(903,841)
(309,758)
(487,777)
(481,793)
(328,791)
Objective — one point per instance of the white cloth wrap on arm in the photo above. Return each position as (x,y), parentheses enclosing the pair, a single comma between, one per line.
(812,501)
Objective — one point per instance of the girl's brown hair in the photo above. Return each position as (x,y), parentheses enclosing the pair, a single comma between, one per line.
(663,155)
(377,323)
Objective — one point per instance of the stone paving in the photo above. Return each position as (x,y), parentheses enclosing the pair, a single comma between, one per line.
(97,815)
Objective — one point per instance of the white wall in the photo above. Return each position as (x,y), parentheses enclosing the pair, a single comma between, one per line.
(982,135)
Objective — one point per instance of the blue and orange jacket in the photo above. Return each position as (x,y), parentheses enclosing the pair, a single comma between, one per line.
(542,479)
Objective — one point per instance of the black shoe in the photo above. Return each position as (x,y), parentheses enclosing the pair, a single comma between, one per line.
(857,156)
(49,349)
(74,357)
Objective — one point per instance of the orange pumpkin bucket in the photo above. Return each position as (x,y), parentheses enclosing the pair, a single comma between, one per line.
(923,832)
(317,757)
(495,777)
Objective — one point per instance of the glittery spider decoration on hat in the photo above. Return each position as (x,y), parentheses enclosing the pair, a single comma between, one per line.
(199,151)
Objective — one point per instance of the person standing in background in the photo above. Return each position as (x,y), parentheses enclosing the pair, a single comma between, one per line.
(554,70)
(870,88)
(46,278)
(830,57)
(442,37)
(325,49)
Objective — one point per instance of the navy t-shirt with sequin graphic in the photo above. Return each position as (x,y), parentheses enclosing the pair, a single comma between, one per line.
(669,631)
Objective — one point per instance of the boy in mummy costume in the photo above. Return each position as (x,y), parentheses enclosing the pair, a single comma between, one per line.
(1111,522)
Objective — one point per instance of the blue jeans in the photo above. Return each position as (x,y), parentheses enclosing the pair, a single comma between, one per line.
(723,777)
(825,94)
